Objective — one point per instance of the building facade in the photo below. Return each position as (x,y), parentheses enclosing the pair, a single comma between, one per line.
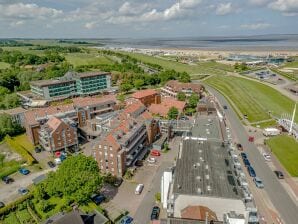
(72,84)
(173,87)
(58,134)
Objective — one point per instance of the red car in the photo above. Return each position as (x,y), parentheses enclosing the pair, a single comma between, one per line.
(154,152)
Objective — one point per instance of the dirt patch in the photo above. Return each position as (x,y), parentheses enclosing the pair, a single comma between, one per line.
(9,155)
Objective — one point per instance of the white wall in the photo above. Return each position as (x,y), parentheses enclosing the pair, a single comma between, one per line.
(166,179)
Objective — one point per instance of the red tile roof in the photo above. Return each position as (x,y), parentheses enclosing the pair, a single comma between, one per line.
(165,105)
(143,93)
(133,107)
(198,213)
(179,86)
(53,123)
(89,101)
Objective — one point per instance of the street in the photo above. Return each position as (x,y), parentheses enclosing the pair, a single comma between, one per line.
(278,196)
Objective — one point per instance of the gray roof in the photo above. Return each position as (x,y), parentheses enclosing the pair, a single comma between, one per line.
(49,82)
(185,221)
(204,168)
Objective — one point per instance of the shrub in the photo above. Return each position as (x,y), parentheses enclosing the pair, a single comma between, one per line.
(12,206)
(157,196)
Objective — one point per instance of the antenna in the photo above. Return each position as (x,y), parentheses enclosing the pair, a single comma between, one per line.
(292,121)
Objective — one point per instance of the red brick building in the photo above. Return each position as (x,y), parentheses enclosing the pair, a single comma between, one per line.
(147,96)
(173,87)
(163,108)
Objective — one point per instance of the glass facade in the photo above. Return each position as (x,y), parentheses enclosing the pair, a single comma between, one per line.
(92,84)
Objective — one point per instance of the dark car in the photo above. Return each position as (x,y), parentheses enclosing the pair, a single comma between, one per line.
(23,191)
(24,171)
(279,174)
(246,162)
(7,179)
(155,213)
(184,118)
(239,147)
(126,220)
(118,182)
(51,164)
(37,149)
(225,107)
(2,205)
(251,171)
(139,163)
(98,198)
(243,155)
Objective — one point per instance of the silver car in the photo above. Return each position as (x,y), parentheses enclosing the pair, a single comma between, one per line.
(258,182)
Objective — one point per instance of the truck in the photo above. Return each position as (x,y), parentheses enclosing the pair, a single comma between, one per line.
(271,132)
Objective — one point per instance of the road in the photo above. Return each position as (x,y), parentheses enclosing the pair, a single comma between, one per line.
(278,196)
(9,192)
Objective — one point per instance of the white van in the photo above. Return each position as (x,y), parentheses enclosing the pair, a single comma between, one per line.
(139,189)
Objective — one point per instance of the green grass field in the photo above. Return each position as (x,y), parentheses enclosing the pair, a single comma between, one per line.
(78,59)
(252,98)
(285,149)
(203,68)
(4,65)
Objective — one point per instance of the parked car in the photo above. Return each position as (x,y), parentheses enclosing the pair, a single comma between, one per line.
(251,171)
(2,205)
(37,149)
(225,107)
(184,118)
(139,163)
(267,157)
(7,180)
(51,164)
(154,153)
(118,182)
(24,171)
(23,191)
(57,161)
(246,162)
(258,182)
(151,160)
(98,198)
(139,189)
(279,174)
(243,155)
(239,147)
(126,220)
(155,213)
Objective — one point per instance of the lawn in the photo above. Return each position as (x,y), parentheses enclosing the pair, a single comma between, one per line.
(24,141)
(78,59)
(204,68)
(252,98)
(285,149)
(11,218)
(4,65)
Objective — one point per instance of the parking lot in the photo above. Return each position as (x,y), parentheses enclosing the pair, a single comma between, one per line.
(267,76)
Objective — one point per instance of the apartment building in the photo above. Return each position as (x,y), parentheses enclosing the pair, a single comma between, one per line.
(17,115)
(173,87)
(125,139)
(72,84)
(81,110)
(165,105)
(58,134)
(147,96)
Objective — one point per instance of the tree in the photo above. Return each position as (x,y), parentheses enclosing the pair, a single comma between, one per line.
(193,100)
(76,179)
(173,113)
(138,83)
(181,96)
(11,101)
(8,127)
(125,87)
(3,91)
(184,77)
(121,98)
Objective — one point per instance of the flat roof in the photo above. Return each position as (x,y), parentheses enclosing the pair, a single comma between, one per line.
(90,74)
(204,168)
(185,221)
(49,82)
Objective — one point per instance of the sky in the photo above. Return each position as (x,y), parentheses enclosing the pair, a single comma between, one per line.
(146,18)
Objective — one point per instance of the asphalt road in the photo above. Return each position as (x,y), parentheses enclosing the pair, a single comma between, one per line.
(278,195)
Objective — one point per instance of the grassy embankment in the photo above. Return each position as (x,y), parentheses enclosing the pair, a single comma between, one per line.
(285,149)
(202,68)
(252,98)
(4,65)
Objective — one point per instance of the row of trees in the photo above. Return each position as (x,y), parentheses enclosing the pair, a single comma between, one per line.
(59,49)
(8,127)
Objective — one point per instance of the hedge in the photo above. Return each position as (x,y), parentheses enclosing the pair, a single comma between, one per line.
(19,149)
(12,206)
(9,171)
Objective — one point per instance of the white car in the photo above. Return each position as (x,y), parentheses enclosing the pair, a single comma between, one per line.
(151,160)
(267,157)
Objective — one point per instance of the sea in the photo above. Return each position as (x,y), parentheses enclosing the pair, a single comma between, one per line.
(264,42)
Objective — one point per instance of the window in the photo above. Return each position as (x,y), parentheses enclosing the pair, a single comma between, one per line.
(111,149)
(105,147)
(99,146)
(111,155)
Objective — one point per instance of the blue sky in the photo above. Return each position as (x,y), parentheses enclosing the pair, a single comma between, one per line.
(146,18)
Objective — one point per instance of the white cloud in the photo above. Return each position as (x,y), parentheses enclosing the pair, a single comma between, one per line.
(27,11)
(287,7)
(90,25)
(256,26)
(17,23)
(224,9)
(129,9)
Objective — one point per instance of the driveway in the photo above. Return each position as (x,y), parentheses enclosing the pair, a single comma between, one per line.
(9,192)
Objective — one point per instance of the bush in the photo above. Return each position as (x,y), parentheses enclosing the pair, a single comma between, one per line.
(158,196)
(19,149)
(12,206)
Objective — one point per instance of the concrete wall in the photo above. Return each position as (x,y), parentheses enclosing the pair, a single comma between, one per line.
(166,179)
